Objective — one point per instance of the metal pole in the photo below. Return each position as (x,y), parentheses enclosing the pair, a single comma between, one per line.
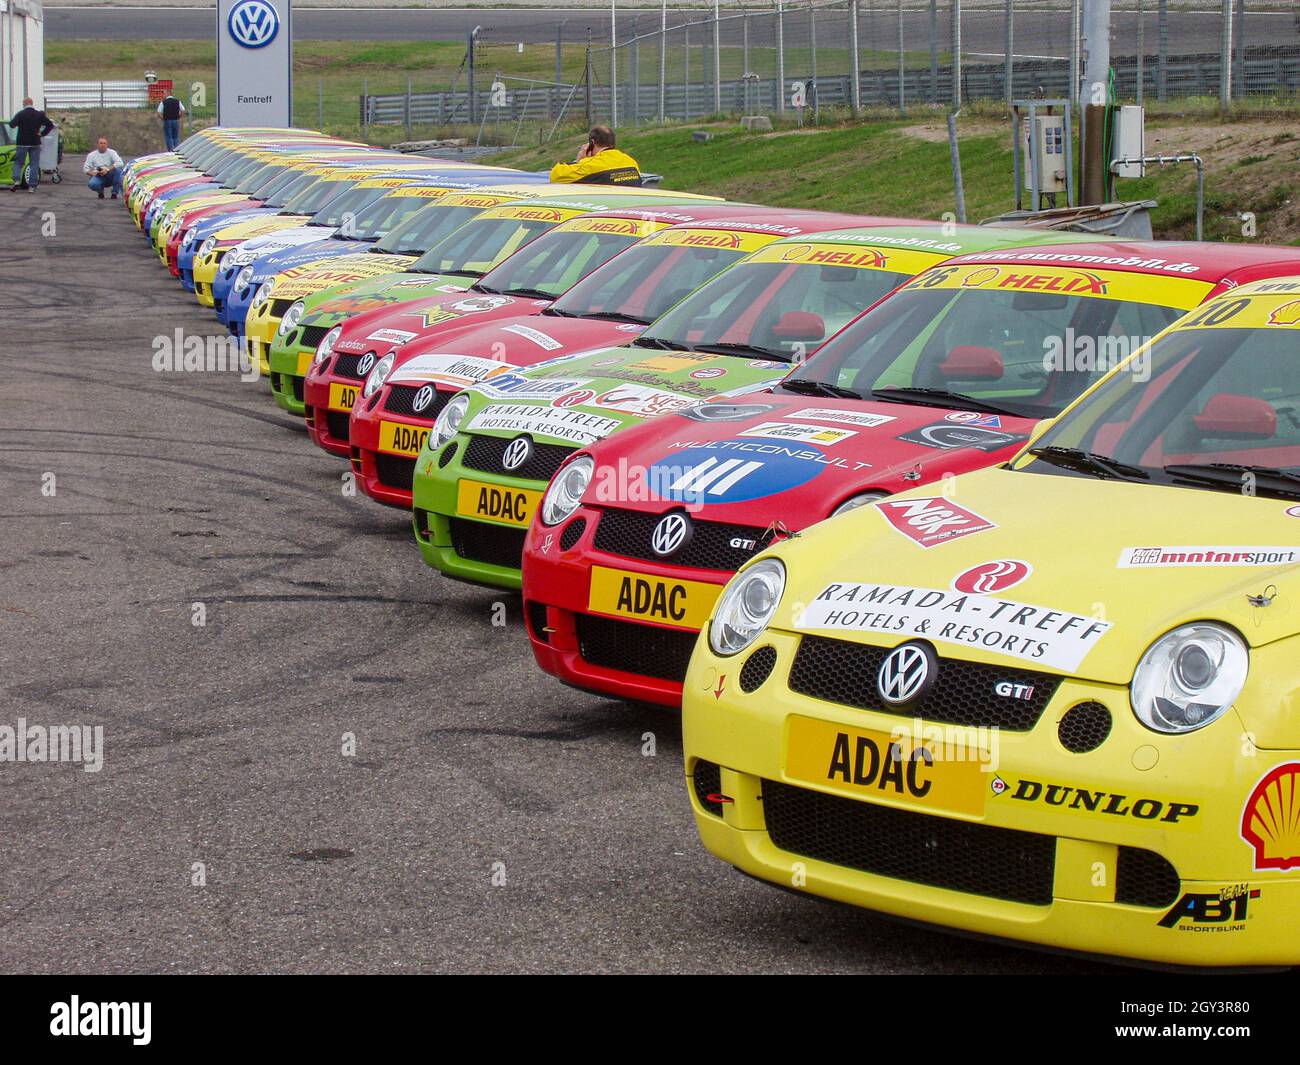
(855,61)
(780,58)
(586,78)
(902,68)
(934,51)
(812,42)
(635,61)
(469,70)
(1239,82)
(1142,50)
(406,110)
(1074,51)
(717,58)
(744,37)
(954,157)
(1007,41)
(686,71)
(559,52)
(663,56)
(1162,48)
(956,57)
(613,64)
(365,107)
(1096,80)
(1225,55)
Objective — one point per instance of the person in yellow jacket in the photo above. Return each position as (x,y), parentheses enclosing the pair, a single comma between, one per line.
(599,163)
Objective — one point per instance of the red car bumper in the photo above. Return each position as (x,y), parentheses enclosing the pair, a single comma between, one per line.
(386,436)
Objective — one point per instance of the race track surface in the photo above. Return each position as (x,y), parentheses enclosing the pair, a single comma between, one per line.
(223,743)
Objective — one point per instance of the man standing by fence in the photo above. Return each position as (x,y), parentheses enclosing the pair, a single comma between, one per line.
(170,111)
(599,163)
(31,125)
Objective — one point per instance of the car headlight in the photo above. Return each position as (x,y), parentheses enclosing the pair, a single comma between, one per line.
(207,246)
(263,293)
(376,378)
(243,279)
(447,424)
(564,493)
(1189,677)
(326,346)
(853,502)
(291,318)
(188,239)
(746,606)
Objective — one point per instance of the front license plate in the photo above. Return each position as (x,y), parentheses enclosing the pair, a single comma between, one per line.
(496,502)
(304,364)
(399,439)
(342,397)
(875,765)
(686,604)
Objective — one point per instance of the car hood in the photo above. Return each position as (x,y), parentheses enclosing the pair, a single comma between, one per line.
(338,252)
(799,456)
(1056,572)
(370,298)
(418,322)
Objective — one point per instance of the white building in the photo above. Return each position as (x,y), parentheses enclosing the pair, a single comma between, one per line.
(22,54)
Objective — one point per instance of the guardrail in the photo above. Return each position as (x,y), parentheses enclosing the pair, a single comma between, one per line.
(82,95)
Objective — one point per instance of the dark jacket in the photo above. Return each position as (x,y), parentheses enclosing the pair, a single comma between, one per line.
(31,125)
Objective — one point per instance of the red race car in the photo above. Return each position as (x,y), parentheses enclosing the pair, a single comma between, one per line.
(950,373)
(609,307)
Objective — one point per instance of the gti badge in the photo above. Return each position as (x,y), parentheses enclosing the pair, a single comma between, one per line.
(517,452)
(670,534)
(906,674)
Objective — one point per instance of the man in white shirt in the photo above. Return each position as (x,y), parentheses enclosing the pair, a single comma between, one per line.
(105,169)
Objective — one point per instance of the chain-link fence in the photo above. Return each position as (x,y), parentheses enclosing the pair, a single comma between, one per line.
(796,59)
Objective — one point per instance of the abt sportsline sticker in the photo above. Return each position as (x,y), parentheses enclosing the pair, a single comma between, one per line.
(862,419)
(558,422)
(1173,557)
(546,343)
(1023,631)
(931,520)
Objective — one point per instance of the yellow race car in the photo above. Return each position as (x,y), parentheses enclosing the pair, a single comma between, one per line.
(1055,701)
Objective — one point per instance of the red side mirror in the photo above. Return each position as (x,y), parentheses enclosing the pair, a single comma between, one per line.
(971,363)
(1228,414)
(799,325)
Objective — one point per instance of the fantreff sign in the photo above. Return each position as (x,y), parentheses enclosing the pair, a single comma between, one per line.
(254,63)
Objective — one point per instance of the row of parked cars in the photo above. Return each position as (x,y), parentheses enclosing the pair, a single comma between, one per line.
(967,553)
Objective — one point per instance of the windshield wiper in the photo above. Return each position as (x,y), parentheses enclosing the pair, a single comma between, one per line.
(656,342)
(748,350)
(616,316)
(1073,458)
(806,386)
(529,293)
(956,400)
(1230,475)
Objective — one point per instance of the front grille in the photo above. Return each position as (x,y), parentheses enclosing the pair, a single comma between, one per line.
(497,545)
(572,533)
(1144,878)
(757,668)
(394,471)
(448,453)
(535,612)
(707,780)
(290,383)
(310,336)
(346,366)
(628,532)
(840,671)
(336,424)
(633,648)
(278,307)
(484,453)
(1084,727)
(218,305)
(999,863)
(400,400)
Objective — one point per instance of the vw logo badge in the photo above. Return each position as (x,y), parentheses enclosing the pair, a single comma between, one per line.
(517,452)
(422,399)
(253,23)
(366,364)
(670,535)
(906,674)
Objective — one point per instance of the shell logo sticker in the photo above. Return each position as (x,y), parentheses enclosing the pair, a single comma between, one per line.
(1287,314)
(1271,820)
(979,277)
(795,253)
(989,578)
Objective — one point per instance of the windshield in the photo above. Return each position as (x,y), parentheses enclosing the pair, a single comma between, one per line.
(263,175)
(1207,406)
(379,217)
(772,309)
(345,208)
(643,283)
(554,263)
(275,189)
(426,228)
(1003,350)
(477,247)
(316,195)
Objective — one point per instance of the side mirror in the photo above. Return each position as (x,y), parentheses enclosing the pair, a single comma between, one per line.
(799,326)
(971,363)
(1228,414)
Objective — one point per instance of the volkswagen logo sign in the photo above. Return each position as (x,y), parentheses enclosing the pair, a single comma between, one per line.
(906,674)
(422,399)
(517,452)
(366,364)
(670,534)
(253,23)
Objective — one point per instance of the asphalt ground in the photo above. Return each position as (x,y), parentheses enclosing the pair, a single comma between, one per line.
(223,743)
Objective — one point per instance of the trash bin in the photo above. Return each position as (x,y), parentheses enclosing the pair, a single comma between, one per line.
(52,154)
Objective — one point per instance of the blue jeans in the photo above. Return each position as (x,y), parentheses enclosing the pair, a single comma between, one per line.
(29,159)
(172,132)
(113,178)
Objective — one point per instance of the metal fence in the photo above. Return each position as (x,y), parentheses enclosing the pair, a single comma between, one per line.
(798,57)
(79,95)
